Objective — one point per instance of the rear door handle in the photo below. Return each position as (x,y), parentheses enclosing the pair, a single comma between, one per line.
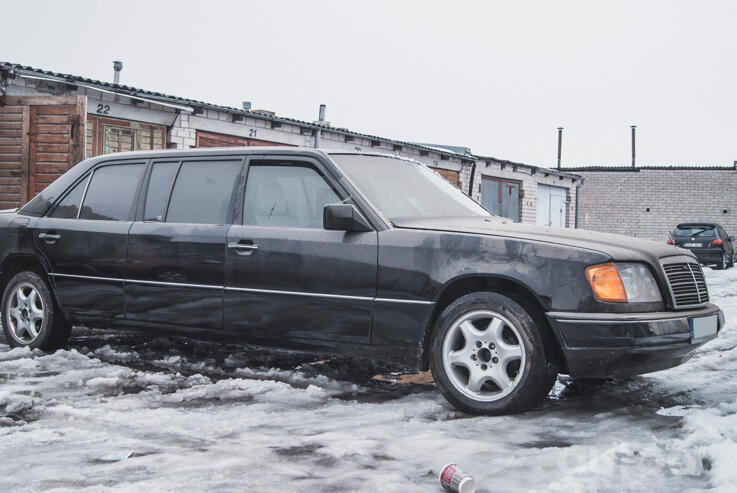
(243,247)
(49,237)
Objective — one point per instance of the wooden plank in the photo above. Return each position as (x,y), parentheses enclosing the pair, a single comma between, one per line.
(10,141)
(46,147)
(11,149)
(52,169)
(49,178)
(10,180)
(32,154)
(25,162)
(52,129)
(53,119)
(10,110)
(51,139)
(56,110)
(11,117)
(78,137)
(51,157)
(14,126)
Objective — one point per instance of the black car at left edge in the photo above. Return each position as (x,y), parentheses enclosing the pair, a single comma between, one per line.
(354,253)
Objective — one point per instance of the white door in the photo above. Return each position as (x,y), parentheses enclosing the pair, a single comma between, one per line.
(551,206)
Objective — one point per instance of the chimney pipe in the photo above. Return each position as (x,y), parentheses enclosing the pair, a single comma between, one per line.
(560,143)
(321,119)
(633,144)
(117,67)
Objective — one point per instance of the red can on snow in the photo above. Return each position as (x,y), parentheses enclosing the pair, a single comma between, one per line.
(452,478)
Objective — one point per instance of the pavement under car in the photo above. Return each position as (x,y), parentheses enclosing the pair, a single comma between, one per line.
(132,411)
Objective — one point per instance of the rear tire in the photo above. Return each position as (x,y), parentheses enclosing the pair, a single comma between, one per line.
(724,263)
(489,355)
(30,316)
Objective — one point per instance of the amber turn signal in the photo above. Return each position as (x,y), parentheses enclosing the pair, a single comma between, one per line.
(606,283)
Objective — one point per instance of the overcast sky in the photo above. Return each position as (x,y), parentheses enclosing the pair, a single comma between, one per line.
(498,77)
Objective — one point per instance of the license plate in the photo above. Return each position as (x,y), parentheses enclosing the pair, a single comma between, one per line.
(703,327)
(692,245)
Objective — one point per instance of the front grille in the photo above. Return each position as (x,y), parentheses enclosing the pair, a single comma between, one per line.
(686,281)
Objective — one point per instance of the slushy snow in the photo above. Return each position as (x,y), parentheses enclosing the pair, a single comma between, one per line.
(136,412)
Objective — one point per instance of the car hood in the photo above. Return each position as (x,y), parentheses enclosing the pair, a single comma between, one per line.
(618,247)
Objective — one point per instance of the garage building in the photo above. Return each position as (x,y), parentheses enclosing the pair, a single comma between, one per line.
(91,117)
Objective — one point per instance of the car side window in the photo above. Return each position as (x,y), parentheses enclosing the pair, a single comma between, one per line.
(68,207)
(286,195)
(111,192)
(159,188)
(202,192)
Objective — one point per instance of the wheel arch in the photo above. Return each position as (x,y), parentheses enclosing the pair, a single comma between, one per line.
(506,286)
(13,264)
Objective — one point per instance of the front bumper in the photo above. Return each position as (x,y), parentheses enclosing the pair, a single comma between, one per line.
(604,345)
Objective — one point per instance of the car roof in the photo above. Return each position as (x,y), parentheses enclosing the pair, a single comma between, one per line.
(711,225)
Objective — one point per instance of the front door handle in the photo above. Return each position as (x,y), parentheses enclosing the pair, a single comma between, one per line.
(49,237)
(243,247)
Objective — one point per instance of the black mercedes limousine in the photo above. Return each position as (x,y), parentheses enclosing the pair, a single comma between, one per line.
(355,253)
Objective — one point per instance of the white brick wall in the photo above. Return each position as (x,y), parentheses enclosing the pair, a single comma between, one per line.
(618,201)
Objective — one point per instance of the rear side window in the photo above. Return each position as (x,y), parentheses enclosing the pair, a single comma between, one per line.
(291,196)
(111,191)
(68,208)
(202,192)
(159,188)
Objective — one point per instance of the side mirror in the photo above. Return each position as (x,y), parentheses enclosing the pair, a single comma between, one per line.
(344,217)
(731,238)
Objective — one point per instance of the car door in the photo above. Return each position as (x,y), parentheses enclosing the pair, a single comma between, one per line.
(85,246)
(287,279)
(176,248)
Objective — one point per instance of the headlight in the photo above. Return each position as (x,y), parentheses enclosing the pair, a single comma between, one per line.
(620,283)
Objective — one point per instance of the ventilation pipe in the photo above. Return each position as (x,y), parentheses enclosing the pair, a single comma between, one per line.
(117,67)
(320,123)
(560,143)
(633,144)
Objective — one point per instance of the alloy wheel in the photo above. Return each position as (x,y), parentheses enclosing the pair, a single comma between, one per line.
(25,313)
(483,355)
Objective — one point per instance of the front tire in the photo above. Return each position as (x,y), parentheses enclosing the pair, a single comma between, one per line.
(30,317)
(489,355)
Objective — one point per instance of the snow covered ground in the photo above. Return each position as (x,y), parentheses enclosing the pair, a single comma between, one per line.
(207,417)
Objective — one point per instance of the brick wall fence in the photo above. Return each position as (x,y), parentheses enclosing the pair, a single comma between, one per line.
(649,202)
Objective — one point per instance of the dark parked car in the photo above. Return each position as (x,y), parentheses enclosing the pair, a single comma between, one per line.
(361,254)
(708,241)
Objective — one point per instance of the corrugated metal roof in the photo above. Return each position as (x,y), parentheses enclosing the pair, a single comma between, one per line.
(630,169)
(167,98)
(532,167)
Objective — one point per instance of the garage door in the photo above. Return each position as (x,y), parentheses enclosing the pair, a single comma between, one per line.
(551,206)
(209,139)
(41,137)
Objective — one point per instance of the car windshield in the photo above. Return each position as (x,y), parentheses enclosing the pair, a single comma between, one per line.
(400,188)
(695,230)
